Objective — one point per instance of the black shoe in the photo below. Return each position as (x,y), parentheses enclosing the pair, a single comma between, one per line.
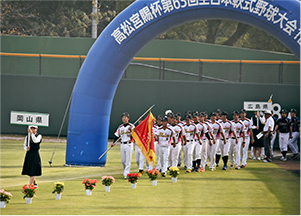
(179,165)
(163,175)
(217,165)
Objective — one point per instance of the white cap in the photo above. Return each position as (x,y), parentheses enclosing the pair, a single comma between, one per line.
(167,111)
(268,112)
(32,126)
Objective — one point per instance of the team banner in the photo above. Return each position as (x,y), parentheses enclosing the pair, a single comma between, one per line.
(144,137)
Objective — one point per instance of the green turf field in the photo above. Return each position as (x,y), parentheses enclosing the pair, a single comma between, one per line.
(264,189)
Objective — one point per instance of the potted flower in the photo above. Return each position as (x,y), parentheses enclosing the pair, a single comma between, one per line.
(4,198)
(133,178)
(58,188)
(153,175)
(89,185)
(174,172)
(29,192)
(107,181)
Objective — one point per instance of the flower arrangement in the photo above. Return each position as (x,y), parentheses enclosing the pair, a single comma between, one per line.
(58,187)
(29,191)
(107,180)
(5,196)
(153,174)
(133,177)
(90,184)
(174,171)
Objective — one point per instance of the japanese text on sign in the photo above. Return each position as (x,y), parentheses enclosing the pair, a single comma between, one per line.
(157,8)
(27,118)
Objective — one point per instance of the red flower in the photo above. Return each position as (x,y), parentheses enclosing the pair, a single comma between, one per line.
(24,187)
(31,186)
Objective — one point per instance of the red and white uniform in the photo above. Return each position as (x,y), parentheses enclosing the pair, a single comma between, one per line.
(198,147)
(244,151)
(157,148)
(239,128)
(205,148)
(174,151)
(228,132)
(217,128)
(164,140)
(190,132)
(126,147)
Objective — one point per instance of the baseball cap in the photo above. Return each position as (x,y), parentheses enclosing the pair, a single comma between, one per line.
(235,112)
(178,114)
(33,126)
(160,117)
(224,113)
(170,114)
(188,116)
(165,119)
(243,111)
(195,115)
(213,114)
(268,112)
(126,114)
(283,111)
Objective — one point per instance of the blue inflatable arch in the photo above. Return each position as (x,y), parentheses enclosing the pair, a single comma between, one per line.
(129,32)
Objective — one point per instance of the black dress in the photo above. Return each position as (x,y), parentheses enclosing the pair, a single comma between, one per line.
(32,163)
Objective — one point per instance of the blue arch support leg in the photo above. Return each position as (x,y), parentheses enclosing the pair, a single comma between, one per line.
(129,32)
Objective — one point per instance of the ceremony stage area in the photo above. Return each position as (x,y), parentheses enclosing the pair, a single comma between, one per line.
(259,189)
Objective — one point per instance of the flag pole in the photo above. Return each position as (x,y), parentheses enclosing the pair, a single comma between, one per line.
(119,137)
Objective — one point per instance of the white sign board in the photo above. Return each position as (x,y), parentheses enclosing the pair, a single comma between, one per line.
(28,118)
(257,106)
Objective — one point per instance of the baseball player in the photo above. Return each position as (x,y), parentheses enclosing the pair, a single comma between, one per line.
(157,147)
(294,133)
(248,137)
(192,135)
(283,127)
(237,143)
(179,122)
(274,135)
(164,136)
(126,148)
(229,132)
(207,140)
(218,131)
(179,136)
(196,161)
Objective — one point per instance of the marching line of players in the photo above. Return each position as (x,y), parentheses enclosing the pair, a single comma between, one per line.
(201,139)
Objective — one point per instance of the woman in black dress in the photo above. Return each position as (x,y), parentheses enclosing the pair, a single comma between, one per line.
(32,163)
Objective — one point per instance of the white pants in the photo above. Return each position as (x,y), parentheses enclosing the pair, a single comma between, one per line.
(204,153)
(283,141)
(293,143)
(218,144)
(126,151)
(189,153)
(197,151)
(157,147)
(174,154)
(164,153)
(272,142)
(235,148)
(224,147)
(244,151)
(211,150)
(139,157)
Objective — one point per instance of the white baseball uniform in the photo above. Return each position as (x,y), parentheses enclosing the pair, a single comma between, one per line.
(190,132)
(174,151)
(216,130)
(239,128)
(126,147)
(244,150)
(164,140)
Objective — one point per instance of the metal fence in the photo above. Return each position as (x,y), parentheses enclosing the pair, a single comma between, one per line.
(231,71)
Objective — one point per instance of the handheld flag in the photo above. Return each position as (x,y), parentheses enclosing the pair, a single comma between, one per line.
(144,138)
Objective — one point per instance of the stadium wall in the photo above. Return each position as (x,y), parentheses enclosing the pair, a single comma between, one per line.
(51,95)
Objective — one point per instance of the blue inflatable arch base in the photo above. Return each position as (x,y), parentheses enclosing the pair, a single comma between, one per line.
(129,32)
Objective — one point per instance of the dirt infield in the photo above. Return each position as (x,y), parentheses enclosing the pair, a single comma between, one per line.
(291,164)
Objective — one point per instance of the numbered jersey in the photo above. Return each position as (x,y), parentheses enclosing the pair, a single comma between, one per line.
(239,128)
(125,133)
(190,131)
(228,128)
(165,136)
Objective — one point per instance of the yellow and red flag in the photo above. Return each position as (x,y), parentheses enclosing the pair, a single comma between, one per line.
(144,138)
